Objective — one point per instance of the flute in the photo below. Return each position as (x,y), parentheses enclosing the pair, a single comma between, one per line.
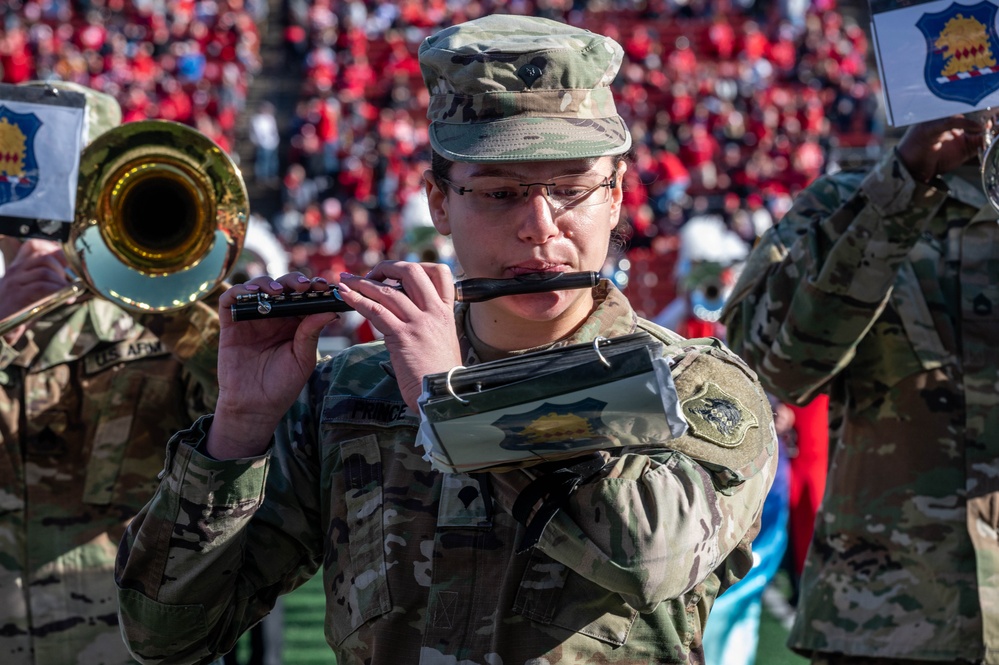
(252,306)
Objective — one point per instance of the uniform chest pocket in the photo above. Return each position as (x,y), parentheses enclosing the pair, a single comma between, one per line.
(111,396)
(134,411)
(905,340)
(359,589)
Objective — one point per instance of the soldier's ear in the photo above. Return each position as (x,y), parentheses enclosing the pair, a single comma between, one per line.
(437,200)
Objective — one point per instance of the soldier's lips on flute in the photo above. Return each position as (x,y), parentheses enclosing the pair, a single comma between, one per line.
(263,306)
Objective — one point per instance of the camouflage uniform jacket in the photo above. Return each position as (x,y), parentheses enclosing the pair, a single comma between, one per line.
(420,566)
(884,292)
(87,398)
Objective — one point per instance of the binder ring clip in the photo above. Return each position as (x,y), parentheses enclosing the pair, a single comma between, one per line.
(450,389)
(596,348)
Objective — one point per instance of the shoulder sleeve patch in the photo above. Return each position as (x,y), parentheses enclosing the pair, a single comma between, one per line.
(718,417)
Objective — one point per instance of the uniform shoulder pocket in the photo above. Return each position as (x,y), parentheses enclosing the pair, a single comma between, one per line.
(729,418)
(902,343)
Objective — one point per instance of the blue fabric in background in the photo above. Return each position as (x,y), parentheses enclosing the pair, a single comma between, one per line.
(191,67)
(732,634)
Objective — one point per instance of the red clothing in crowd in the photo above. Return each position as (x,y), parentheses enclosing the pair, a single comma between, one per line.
(639,44)
(808,161)
(327,125)
(701,149)
(401,61)
(682,108)
(755,44)
(683,63)
(784,55)
(808,474)
(91,37)
(15,57)
(144,68)
(721,36)
(356,76)
(635,195)
(671,168)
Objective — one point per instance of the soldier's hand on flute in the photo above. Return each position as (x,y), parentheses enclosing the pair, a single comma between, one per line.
(263,366)
(417,322)
(265,363)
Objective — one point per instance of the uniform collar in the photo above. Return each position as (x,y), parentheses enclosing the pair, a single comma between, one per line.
(612,316)
(970,193)
(71,332)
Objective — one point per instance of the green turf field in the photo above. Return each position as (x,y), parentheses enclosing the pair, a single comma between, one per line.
(304,643)
(772,650)
(304,609)
(774,625)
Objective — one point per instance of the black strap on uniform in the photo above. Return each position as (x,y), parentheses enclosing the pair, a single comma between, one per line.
(558,481)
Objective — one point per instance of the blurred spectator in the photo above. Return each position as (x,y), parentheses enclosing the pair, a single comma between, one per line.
(298,189)
(709,258)
(287,222)
(266,140)
(675,179)
(761,217)
(332,213)
(699,150)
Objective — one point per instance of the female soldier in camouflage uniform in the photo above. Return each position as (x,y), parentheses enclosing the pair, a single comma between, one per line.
(420,565)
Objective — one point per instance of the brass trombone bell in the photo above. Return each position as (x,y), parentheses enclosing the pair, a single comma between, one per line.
(161,217)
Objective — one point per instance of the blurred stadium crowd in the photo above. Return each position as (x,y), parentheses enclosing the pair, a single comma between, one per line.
(735,105)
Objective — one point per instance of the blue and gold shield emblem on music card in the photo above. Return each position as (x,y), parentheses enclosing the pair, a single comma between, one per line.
(553,426)
(18,166)
(961,52)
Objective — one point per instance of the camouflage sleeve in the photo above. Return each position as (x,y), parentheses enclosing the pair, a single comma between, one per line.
(191,575)
(817,281)
(658,521)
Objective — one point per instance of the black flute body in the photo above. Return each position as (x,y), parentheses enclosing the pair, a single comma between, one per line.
(263,306)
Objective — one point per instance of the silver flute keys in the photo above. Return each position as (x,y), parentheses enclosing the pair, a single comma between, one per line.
(253,306)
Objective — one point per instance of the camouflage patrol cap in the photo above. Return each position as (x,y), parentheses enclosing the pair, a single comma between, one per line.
(102,111)
(522,88)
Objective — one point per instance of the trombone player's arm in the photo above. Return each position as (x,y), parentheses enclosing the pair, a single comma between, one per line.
(817,281)
(36,268)
(937,147)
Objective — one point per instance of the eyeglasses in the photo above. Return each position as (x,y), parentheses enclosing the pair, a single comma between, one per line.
(491,194)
